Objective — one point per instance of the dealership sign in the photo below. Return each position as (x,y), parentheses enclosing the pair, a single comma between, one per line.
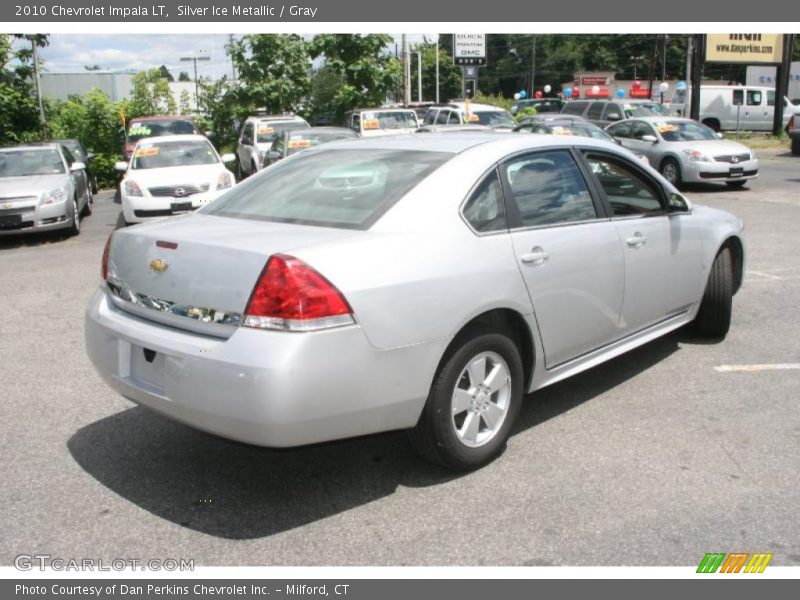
(747,48)
(469,48)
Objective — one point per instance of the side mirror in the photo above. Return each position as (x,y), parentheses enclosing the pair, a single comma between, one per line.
(228,157)
(678,203)
(90,156)
(613,117)
(77,166)
(649,138)
(121,165)
(719,135)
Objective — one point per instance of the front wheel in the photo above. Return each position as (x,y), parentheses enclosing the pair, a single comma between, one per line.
(671,171)
(87,208)
(714,317)
(473,403)
(75,224)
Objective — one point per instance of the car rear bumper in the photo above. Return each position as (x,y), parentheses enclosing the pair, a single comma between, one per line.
(267,388)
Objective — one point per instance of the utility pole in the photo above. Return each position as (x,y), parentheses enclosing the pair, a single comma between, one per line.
(406,72)
(698,58)
(437,68)
(533,67)
(652,69)
(194,59)
(231,40)
(664,60)
(419,76)
(688,77)
(782,83)
(37,77)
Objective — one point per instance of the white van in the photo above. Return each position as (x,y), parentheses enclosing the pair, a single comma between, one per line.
(728,107)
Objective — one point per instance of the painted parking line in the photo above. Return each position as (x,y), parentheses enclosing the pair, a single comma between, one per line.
(769,276)
(752,368)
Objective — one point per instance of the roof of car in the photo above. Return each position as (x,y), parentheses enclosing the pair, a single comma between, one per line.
(653,118)
(275,118)
(183,137)
(476,106)
(384,109)
(456,142)
(321,129)
(31,146)
(162,118)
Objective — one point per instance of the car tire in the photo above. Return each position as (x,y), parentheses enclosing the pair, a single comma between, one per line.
(75,224)
(671,171)
(89,206)
(714,317)
(736,184)
(796,146)
(462,427)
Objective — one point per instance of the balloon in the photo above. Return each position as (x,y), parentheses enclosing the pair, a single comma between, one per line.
(568,92)
(538,93)
(516,96)
(637,85)
(620,93)
(523,94)
(663,87)
(547,89)
(681,85)
(595,90)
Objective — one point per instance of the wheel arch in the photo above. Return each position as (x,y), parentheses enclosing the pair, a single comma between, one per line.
(505,320)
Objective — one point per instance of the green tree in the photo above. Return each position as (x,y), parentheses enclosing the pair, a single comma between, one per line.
(449,74)
(150,95)
(183,76)
(185,103)
(19,112)
(165,74)
(275,71)
(219,102)
(367,72)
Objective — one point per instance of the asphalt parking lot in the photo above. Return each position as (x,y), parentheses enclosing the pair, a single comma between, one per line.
(652,459)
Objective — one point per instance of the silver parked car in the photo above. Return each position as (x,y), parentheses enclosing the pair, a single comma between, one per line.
(685,151)
(419,282)
(42,187)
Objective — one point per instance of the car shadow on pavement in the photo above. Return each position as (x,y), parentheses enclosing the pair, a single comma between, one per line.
(713,188)
(236,491)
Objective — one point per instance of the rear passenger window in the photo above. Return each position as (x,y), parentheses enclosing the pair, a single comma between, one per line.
(754,97)
(621,130)
(442,118)
(595,110)
(574,108)
(485,210)
(548,189)
(430,117)
(628,192)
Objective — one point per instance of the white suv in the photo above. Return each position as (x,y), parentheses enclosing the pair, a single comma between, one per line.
(257,136)
(459,113)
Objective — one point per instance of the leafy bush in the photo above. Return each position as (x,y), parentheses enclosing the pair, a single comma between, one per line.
(528,111)
(494,100)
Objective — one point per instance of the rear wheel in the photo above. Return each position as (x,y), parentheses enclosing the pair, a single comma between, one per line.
(671,171)
(473,403)
(714,317)
(712,123)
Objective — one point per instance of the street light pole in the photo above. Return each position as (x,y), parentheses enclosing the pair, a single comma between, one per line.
(194,59)
(437,68)
(406,73)
(38,79)
(419,76)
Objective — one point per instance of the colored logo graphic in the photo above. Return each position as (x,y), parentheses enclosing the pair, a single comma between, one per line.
(736,562)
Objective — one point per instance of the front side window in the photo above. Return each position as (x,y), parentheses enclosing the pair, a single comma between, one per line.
(754,97)
(620,130)
(595,110)
(628,192)
(548,188)
(442,118)
(247,134)
(430,118)
(574,108)
(267,131)
(342,188)
(485,210)
(639,129)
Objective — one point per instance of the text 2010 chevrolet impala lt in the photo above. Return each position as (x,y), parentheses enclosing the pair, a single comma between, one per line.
(418,282)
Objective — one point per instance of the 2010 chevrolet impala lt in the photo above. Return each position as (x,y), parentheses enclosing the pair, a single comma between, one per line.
(418,282)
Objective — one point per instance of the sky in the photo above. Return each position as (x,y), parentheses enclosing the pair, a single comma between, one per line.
(71,53)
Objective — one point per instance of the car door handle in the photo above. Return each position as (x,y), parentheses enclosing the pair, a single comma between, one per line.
(536,257)
(637,241)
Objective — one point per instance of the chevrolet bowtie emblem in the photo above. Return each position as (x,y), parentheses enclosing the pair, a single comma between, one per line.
(158,265)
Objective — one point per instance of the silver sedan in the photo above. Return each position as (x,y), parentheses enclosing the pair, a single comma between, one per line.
(42,187)
(685,151)
(422,282)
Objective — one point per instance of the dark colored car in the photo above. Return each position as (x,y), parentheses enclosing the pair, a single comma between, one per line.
(293,141)
(563,125)
(541,105)
(604,112)
(142,127)
(794,134)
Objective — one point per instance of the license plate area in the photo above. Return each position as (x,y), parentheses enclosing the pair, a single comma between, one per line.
(147,368)
(181,207)
(10,220)
(736,171)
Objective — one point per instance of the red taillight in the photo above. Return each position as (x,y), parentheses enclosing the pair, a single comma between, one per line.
(104,263)
(290,295)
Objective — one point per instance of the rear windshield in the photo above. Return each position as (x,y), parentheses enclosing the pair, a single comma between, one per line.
(389,119)
(158,155)
(21,163)
(343,188)
(143,129)
(642,110)
(266,131)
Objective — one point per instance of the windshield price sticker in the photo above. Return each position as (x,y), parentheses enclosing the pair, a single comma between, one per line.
(141,152)
(139,130)
(371,124)
(299,143)
(265,129)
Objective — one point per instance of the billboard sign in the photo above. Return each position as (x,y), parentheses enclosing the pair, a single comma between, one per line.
(469,49)
(750,48)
